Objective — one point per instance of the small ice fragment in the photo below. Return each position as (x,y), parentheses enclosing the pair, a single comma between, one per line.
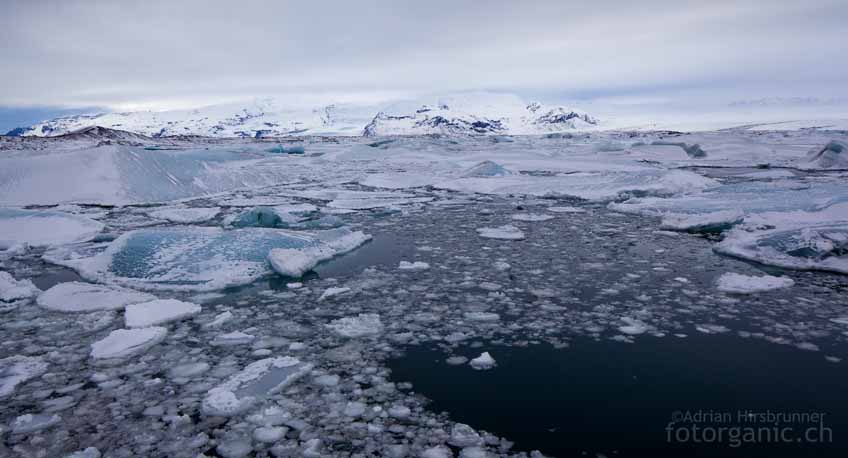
(417,265)
(122,343)
(30,423)
(439,451)
(507,232)
(158,312)
(269,434)
(633,327)
(463,436)
(233,338)
(456,360)
(333,291)
(483,362)
(219,319)
(744,284)
(482,316)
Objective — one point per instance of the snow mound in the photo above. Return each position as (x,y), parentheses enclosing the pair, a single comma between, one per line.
(254,383)
(17,369)
(294,262)
(507,232)
(833,155)
(744,284)
(158,312)
(364,324)
(88,297)
(44,228)
(122,343)
(186,215)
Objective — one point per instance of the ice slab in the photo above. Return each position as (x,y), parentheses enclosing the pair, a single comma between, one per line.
(44,228)
(15,292)
(294,262)
(507,232)
(196,258)
(745,284)
(88,297)
(186,215)
(17,369)
(158,312)
(362,325)
(254,383)
(122,343)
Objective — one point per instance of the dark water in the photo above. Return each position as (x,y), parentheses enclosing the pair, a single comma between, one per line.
(618,399)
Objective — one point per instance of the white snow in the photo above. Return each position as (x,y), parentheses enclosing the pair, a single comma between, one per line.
(158,312)
(364,324)
(507,232)
(483,362)
(88,297)
(123,343)
(744,284)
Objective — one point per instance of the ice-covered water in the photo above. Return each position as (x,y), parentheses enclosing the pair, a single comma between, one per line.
(556,261)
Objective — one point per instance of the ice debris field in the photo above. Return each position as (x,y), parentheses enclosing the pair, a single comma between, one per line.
(233,298)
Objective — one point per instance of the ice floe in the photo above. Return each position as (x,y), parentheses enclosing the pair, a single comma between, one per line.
(745,284)
(88,297)
(158,312)
(44,228)
(417,265)
(294,262)
(122,343)
(253,384)
(506,232)
(364,324)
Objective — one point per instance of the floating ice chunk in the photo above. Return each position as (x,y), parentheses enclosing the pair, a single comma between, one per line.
(17,369)
(713,222)
(483,362)
(354,409)
(333,291)
(486,169)
(833,155)
(197,258)
(743,284)
(186,215)
(294,262)
(219,319)
(817,247)
(234,447)
(711,328)
(364,324)
(158,312)
(87,297)
(269,434)
(188,370)
(474,452)
(502,266)
(417,265)
(456,360)
(123,343)
(566,210)
(233,338)
(633,326)
(399,412)
(254,383)
(44,228)
(439,451)
(30,423)
(463,435)
(88,452)
(482,316)
(507,232)
(15,292)
(531,217)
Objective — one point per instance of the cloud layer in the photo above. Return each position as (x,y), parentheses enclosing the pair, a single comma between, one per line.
(164,54)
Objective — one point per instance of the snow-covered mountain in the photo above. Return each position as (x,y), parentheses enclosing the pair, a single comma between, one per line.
(460,114)
(477,113)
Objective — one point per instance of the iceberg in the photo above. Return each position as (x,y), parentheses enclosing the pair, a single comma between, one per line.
(44,228)
(198,258)
(254,383)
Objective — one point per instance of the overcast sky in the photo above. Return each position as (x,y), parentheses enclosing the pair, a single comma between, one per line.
(174,54)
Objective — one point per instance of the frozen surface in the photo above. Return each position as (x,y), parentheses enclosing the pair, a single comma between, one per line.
(158,312)
(44,228)
(746,284)
(122,343)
